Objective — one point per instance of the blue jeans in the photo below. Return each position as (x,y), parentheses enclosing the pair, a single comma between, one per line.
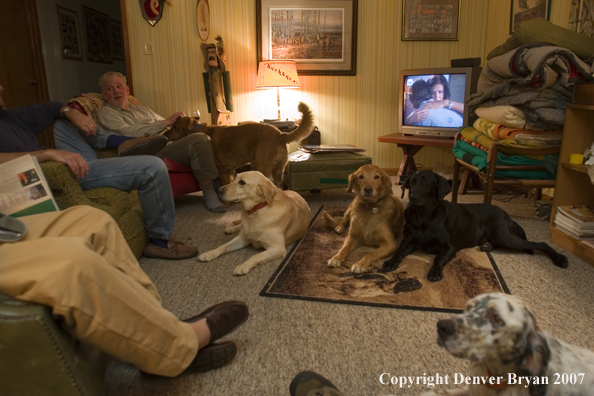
(144,173)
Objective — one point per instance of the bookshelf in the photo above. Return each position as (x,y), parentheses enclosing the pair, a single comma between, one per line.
(573,185)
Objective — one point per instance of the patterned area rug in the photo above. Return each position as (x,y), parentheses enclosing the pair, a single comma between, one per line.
(304,275)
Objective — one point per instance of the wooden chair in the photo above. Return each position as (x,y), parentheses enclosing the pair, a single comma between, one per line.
(488,177)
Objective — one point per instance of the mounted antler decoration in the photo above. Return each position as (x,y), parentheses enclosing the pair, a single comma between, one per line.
(152,10)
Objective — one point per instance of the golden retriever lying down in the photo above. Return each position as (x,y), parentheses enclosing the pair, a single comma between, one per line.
(376,217)
(271,219)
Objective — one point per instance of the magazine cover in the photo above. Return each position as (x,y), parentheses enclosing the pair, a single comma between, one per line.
(24,190)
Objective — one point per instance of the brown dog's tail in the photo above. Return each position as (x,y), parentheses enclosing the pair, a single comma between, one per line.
(330,221)
(304,129)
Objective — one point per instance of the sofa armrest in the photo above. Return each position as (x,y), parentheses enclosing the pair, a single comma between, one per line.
(64,186)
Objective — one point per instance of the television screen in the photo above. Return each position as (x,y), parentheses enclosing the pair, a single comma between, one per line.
(433,100)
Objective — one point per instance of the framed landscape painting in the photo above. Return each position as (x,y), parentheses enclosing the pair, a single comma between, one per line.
(320,36)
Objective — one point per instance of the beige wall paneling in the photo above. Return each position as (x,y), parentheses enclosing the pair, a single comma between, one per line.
(348,109)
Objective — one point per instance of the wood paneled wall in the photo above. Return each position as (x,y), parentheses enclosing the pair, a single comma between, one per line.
(348,109)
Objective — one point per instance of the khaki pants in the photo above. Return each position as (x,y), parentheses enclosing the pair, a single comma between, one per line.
(77,262)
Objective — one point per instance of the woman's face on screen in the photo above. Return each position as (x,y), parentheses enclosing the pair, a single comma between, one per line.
(437,92)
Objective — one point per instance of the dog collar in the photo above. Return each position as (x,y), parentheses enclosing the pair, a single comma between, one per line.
(495,386)
(259,206)
(374,208)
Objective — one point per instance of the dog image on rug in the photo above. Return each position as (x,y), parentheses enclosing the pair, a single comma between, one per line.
(443,228)
(271,219)
(508,350)
(374,218)
(261,145)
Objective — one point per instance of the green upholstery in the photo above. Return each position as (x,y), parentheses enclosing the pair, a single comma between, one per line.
(307,171)
(123,206)
(39,358)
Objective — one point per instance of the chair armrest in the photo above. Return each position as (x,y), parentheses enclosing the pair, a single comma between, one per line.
(64,186)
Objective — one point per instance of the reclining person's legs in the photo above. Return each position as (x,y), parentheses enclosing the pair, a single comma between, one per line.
(149,176)
(78,263)
(195,151)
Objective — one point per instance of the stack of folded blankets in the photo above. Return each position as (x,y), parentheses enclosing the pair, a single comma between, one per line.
(522,94)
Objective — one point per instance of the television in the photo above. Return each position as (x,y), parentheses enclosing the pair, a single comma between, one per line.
(433,101)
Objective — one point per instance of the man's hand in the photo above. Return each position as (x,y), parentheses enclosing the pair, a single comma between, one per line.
(75,161)
(171,120)
(81,121)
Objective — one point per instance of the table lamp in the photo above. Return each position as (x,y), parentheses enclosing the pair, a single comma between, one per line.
(277,74)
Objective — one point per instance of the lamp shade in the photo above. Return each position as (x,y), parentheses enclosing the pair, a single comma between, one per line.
(277,73)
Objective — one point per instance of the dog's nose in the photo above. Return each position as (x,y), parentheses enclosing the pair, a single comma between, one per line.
(368,189)
(446,327)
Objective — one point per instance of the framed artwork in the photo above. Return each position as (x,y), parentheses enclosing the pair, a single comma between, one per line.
(319,35)
(69,33)
(430,19)
(524,10)
(97,33)
(581,17)
(117,40)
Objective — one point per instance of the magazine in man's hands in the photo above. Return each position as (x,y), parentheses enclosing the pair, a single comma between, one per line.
(23,188)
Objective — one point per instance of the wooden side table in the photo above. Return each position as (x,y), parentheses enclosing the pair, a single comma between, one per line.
(410,146)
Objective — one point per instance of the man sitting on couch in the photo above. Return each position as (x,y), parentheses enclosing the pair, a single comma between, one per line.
(123,118)
(18,129)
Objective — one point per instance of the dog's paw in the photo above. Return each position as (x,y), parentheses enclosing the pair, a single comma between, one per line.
(334,262)
(242,269)
(208,256)
(359,268)
(486,247)
(560,261)
(390,265)
(435,274)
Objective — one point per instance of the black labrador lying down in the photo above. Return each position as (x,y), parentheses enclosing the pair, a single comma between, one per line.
(443,228)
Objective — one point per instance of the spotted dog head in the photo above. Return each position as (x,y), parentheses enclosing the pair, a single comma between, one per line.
(370,183)
(498,330)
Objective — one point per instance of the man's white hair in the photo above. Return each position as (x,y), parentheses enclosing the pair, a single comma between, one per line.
(110,76)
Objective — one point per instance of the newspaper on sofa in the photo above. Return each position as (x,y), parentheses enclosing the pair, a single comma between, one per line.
(23,188)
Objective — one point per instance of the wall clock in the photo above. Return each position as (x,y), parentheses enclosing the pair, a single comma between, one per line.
(203,19)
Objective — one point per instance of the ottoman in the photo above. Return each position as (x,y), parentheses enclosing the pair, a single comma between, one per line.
(317,171)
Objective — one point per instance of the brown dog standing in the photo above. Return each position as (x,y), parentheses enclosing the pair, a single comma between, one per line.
(376,217)
(262,145)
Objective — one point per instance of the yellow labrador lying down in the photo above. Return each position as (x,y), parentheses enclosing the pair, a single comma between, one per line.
(271,219)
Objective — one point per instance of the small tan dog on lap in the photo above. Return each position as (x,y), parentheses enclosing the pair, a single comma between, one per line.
(271,219)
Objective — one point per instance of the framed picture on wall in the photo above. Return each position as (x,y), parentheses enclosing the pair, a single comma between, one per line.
(319,35)
(69,33)
(430,19)
(524,10)
(117,40)
(97,33)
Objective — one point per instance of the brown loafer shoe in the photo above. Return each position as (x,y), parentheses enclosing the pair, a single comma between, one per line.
(175,251)
(149,145)
(210,357)
(223,318)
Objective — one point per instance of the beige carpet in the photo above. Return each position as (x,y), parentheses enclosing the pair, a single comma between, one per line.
(351,345)
(305,275)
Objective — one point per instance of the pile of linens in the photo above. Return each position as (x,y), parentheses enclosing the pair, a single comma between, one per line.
(522,94)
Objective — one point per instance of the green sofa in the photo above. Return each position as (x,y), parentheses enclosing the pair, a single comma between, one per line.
(123,206)
(39,358)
